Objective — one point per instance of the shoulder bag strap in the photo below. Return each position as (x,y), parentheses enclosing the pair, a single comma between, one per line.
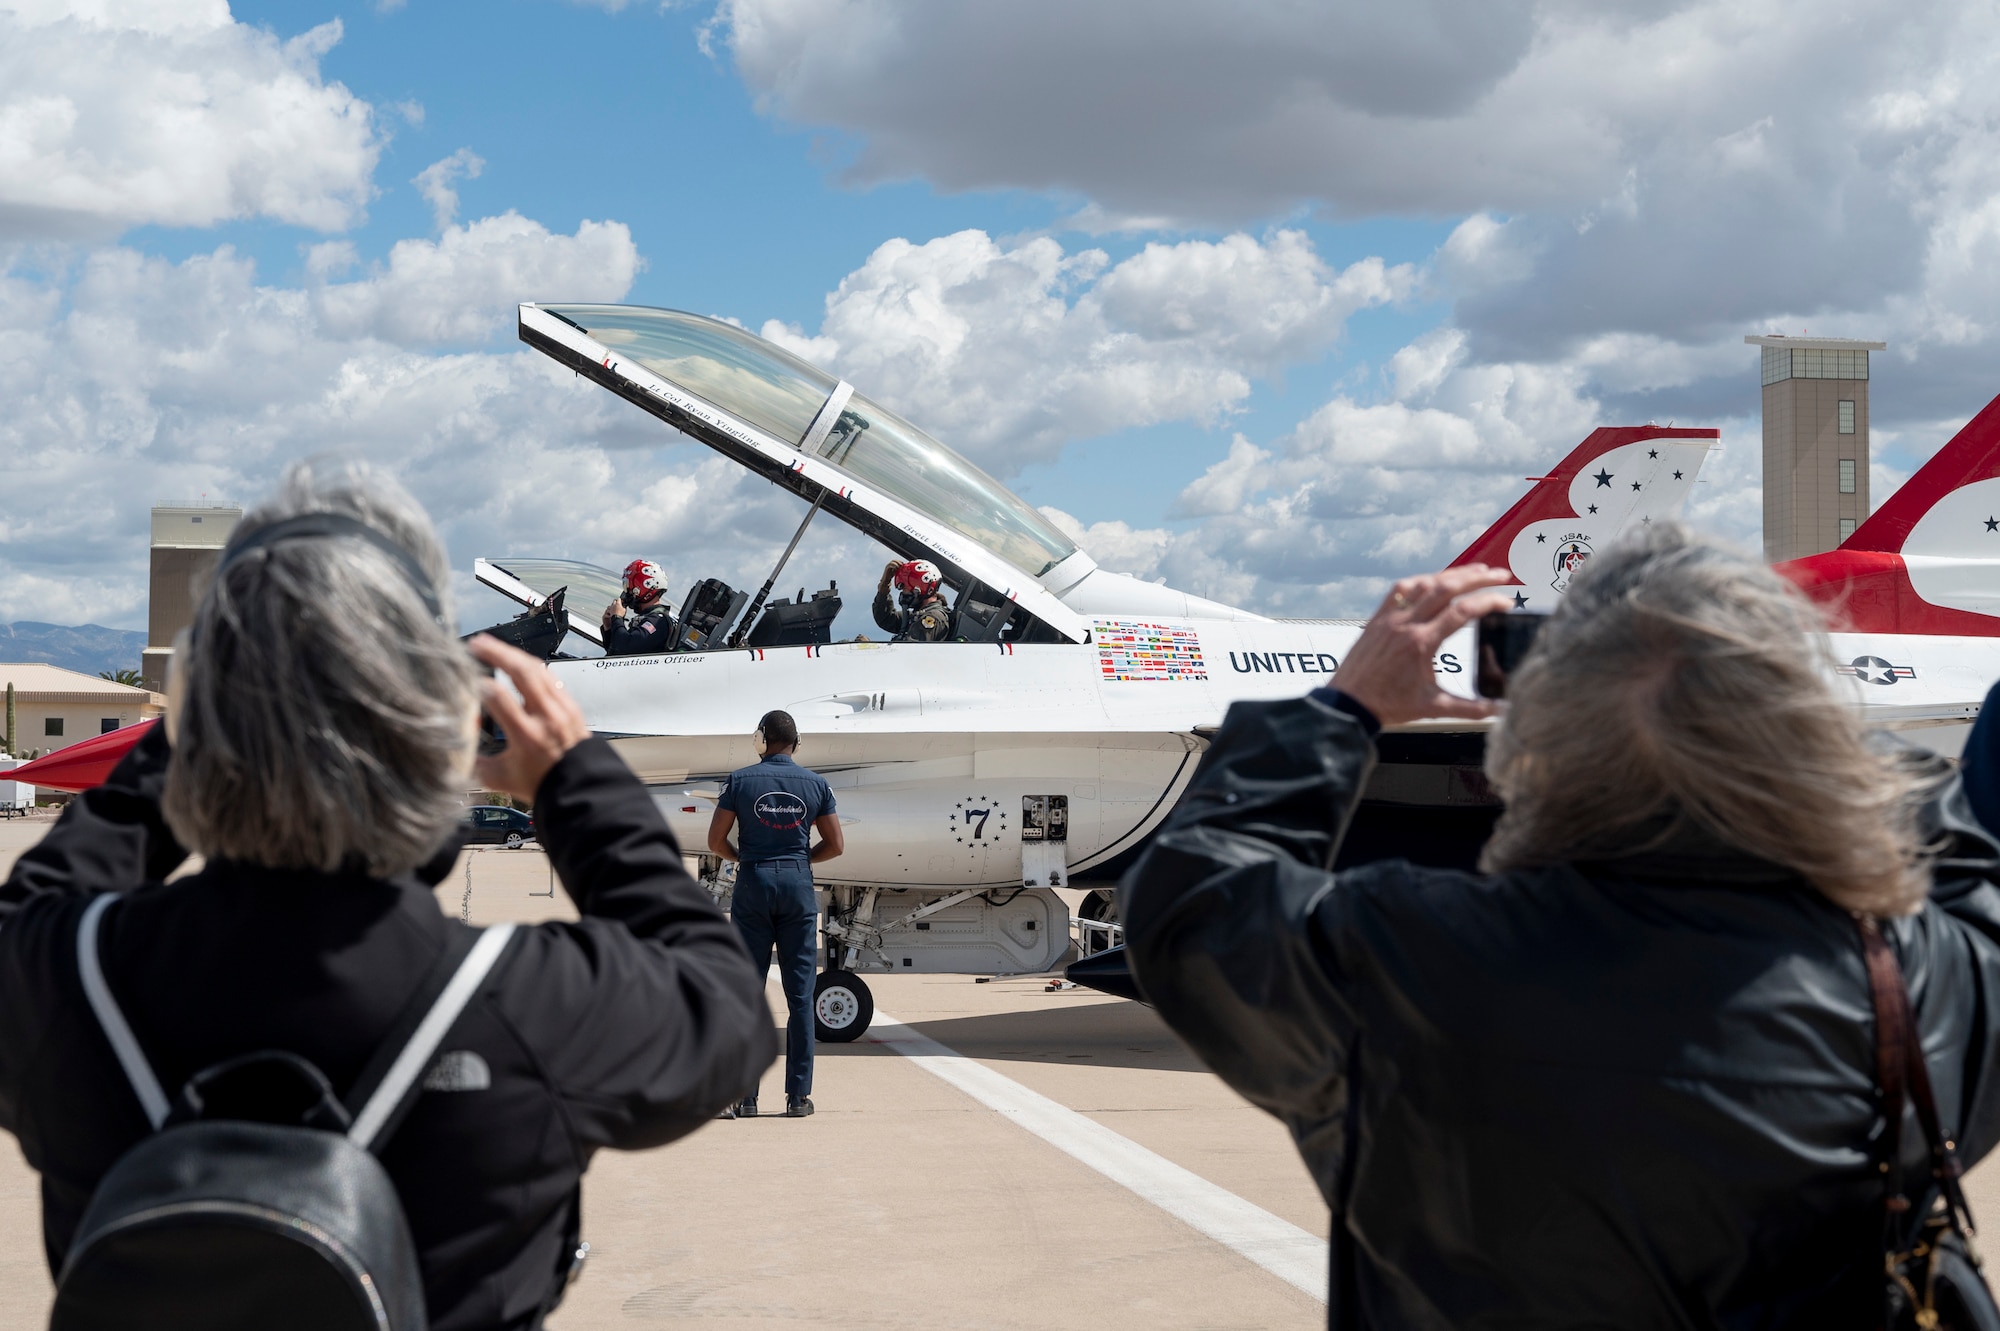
(1899,1062)
(388,1086)
(130,1057)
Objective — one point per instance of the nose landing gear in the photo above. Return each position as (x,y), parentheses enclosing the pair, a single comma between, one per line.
(842,1007)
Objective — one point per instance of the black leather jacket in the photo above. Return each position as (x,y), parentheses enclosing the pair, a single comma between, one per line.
(1632,1094)
(627,1028)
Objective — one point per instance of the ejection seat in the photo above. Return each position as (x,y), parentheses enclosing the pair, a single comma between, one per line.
(800,623)
(981,615)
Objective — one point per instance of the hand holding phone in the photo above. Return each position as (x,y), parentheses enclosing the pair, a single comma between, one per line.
(1389,668)
(540,726)
(1504,640)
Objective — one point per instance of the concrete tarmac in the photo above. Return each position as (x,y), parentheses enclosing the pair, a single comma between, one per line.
(903,1202)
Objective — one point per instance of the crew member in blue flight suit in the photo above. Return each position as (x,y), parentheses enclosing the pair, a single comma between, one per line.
(776,804)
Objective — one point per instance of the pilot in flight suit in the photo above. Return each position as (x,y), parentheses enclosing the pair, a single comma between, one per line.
(639,621)
(922,615)
(774,807)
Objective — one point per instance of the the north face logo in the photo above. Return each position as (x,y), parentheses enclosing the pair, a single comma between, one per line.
(459,1070)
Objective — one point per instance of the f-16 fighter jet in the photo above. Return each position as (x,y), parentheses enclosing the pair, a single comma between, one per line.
(1038,744)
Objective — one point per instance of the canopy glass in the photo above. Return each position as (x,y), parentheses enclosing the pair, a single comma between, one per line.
(738,372)
(782,395)
(590,588)
(896,457)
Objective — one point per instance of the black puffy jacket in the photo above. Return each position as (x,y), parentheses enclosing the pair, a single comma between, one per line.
(1633,1094)
(628,1028)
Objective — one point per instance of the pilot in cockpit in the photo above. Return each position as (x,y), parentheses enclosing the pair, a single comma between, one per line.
(918,613)
(640,621)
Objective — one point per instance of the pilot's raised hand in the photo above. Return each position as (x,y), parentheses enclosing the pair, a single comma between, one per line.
(616,610)
(889,571)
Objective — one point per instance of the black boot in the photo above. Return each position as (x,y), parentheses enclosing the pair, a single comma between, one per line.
(798,1106)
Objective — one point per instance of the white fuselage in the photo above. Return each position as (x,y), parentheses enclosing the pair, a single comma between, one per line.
(932,749)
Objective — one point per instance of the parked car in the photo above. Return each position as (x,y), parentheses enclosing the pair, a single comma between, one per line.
(496,824)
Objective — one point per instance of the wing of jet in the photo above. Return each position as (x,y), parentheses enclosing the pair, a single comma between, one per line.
(1928,560)
(1619,478)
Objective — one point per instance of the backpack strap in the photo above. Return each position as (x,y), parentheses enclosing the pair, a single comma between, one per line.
(386,1087)
(130,1057)
(1897,1041)
(385,1093)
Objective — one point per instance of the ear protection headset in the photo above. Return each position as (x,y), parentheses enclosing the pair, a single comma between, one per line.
(308,525)
(303,527)
(762,745)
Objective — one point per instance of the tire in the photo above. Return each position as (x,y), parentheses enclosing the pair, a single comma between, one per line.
(514,840)
(842,1007)
(1098,905)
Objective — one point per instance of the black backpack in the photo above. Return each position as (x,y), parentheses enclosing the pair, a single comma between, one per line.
(258,1203)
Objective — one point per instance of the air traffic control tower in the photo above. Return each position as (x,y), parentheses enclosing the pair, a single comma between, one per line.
(187,545)
(1815,441)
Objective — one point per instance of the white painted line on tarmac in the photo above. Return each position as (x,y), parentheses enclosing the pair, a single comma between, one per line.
(1295,1256)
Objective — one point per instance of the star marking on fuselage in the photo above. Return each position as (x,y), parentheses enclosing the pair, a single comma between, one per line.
(1519,600)
(1677,475)
(1993,524)
(1541,539)
(1652,452)
(1635,485)
(1603,477)
(1593,508)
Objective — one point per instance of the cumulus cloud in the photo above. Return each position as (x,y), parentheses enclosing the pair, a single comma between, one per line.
(1682,171)
(463,286)
(131,380)
(438,181)
(1362,492)
(1008,352)
(1174,106)
(118,113)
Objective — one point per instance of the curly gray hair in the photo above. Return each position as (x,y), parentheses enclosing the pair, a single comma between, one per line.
(1680,683)
(321,711)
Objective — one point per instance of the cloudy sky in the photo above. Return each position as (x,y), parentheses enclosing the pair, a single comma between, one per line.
(1269,300)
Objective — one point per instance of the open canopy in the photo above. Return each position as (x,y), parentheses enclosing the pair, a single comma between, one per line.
(812,433)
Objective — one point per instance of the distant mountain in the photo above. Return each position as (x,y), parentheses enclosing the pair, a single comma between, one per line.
(90,648)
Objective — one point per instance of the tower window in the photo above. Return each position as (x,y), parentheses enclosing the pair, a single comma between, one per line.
(52,725)
(1847,466)
(1847,418)
(1846,528)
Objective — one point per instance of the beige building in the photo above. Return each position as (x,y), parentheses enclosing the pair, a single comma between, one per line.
(1815,441)
(187,544)
(54,708)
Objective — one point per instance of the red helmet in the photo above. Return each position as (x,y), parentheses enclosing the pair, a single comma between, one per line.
(644,579)
(918,577)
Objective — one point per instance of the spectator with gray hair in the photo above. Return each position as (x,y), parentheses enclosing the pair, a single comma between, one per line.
(320,736)
(1628,1075)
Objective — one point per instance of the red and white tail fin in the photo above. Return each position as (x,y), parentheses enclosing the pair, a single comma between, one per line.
(1927,560)
(1619,478)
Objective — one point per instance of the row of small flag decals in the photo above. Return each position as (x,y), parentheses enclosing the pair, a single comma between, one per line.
(1133,651)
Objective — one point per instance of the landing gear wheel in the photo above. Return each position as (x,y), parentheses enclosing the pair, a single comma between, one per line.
(514,840)
(1098,904)
(842,1007)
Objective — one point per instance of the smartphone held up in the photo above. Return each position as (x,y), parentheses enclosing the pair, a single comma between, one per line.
(1504,639)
